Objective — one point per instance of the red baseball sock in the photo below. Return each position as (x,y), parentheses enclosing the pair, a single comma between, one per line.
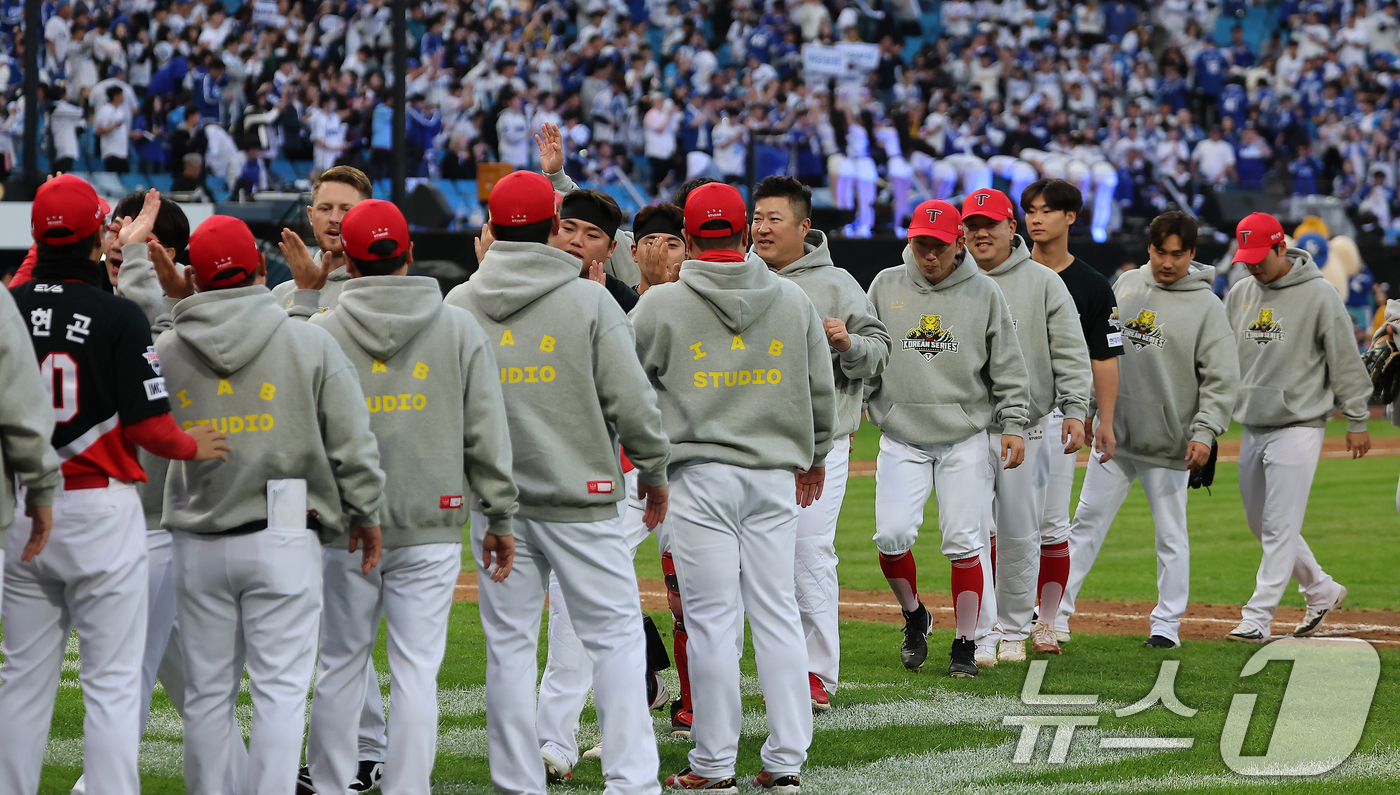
(993,555)
(679,638)
(1054,574)
(903,577)
(967,594)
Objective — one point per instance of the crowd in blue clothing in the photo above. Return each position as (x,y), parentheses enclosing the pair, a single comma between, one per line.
(1182,98)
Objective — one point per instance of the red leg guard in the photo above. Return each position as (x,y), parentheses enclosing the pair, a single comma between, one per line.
(678,636)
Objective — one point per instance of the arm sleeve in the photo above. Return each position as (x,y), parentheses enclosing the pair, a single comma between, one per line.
(26,268)
(1069,355)
(625,296)
(350,444)
(1218,376)
(486,434)
(140,388)
(1105,341)
(1007,367)
(822,383)
(562,182)
(1346,373)
(26,413)
(137,280)
(627,398)
(161,436)
(870,343)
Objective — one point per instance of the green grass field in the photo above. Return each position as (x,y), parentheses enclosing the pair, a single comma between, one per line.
(892,731)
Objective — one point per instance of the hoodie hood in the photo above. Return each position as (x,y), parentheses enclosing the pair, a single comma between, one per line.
(1199,277)
(1303,270)
(964,270)
(382,313)
(513,275)
(738,292)
(1019,255)
(227,328)
(818,256)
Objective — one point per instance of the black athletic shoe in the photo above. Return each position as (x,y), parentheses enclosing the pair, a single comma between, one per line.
(369,776)
(1160,642)
(304,782)
(963,662)
(917,625)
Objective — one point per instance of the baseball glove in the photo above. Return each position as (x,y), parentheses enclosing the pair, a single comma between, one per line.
(1203,477)
(1383,365)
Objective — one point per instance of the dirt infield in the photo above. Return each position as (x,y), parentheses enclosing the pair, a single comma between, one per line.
(1202,622)
(1383,446)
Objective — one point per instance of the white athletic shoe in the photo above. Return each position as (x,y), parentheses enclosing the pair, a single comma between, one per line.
(556,767)
(1062,635)
(1246,633)
(986,656)
(80,786)
(596,752)
(1043,640)
(1314,617)
(1011,651)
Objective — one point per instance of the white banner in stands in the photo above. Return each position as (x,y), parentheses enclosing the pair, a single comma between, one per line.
(860,56)
(822,59)
(14,221)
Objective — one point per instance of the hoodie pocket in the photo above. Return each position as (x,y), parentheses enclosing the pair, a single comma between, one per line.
(1265,406)
(1145,428)
(948,417)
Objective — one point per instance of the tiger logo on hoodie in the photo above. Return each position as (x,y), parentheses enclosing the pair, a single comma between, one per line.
(1143,331)
(1265,329)
(929,338)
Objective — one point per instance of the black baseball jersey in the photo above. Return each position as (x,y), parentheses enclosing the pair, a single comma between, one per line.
(98,363)
(1097,305)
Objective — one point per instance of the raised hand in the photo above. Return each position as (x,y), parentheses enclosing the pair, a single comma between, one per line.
(175,281)
(138,230)
(551,143)
(305,272)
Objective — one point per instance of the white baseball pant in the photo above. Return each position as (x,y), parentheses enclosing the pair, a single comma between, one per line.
(594,566)
(374,740)
(1106,485)
(906,474)
(568,673)
(818,590)
(1013,516)
(1054,518)
(90,577)
(263,589)
(734,530)
(412,588)
(1276,474)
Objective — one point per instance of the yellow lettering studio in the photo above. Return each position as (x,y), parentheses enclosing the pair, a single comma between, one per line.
(400,402)
(758,377)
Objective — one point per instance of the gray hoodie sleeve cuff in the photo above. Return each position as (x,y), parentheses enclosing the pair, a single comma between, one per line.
(1013,429)
(304,303)
(1204,436)
(562,182)
(819,460)
(499,526)
(657,478)
(1357,426)
(41,496)
(1074,412)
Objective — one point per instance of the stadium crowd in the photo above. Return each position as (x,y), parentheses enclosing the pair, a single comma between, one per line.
(1144,106)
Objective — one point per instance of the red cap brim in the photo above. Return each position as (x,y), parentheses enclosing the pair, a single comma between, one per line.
(1252,256)
(945,236)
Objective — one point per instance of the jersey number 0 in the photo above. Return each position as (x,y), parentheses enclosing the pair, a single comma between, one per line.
(65,397)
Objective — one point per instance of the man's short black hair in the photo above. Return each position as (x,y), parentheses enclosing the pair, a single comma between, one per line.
(684,190)
(1058,194)
(1173,222)
(538,232)
(733,242)
(380,267)
(798,195)
(601,202)
(172,228)
(113,92)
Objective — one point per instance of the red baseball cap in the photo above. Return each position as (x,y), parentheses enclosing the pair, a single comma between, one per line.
(64,203)
(936,218)
(520,198)
(1256,234)
(715,201)
(223,252)
(989,203)
(369,222)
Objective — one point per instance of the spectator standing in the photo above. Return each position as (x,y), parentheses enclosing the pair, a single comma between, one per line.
(662,123)
(1214,159)
(1305,169)
(113,133)
(1208,72)
(513,132)
(64,121)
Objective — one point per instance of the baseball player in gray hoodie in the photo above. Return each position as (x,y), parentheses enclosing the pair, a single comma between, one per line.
(742,367)
(619,264)
(859,347)
(573,389)
(1298,364)
(956,372)
(1057,363)
(1179,379)
(248,532)
(432,389)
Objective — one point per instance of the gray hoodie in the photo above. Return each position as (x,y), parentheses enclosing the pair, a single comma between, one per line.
(1179,375)
(1047,327)
(431,384)
(136,279)
(234,359)
(26,419)
(1297,350)
(741,366)
(835,293)
(620,265)
(309,302)
(570,376)
(956,368)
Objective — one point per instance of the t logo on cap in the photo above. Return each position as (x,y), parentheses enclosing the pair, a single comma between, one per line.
(933,215)
(981,199)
